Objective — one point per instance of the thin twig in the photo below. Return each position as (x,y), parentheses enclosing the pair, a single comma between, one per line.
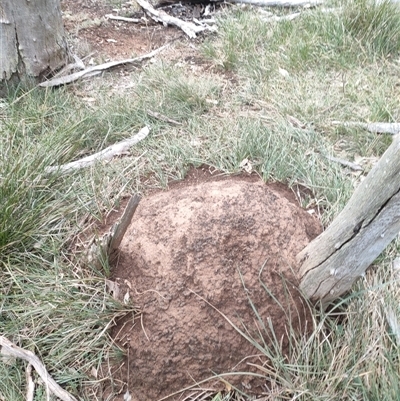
(97,69)
(161,117)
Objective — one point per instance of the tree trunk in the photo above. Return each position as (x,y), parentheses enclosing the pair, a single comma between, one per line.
(331,263)
(32,39)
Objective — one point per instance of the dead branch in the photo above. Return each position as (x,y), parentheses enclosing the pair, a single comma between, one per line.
(106,154)
(346,163)
(279,3)
(121,227)
(161,16)
(97,69)
(103,247)
(376,128)
(78,65)
(125,19)
(31,358)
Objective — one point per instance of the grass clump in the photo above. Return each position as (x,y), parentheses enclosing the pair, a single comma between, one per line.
(48,302)
(375,24)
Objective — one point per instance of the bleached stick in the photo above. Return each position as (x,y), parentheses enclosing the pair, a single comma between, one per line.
(346,163)
(376,128)
(96,69)
(30,385)
(279,3)
(106,154)
(31,358)
(161,16)
(125,19)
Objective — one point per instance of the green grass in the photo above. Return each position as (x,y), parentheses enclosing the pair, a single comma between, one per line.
(340,66)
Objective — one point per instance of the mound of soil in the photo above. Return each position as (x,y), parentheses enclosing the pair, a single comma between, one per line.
(194,253)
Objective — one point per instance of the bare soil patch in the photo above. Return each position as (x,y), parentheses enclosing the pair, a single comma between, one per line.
(112,39)
(206,247)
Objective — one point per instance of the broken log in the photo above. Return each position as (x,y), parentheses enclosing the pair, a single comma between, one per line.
(332,262)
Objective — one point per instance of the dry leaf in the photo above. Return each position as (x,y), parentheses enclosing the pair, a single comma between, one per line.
(93,372)
(284,72)
(246,165)
(127,396)
(113,288)
(126,298)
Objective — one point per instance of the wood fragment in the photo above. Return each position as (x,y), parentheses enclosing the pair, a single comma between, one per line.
(121,227)
(106,154)
(346,163)
(103,247)
(125,19)
(161,16)
(31,358)
(279,3)
(376,128)
(97,69)
(332,262)
(161,117)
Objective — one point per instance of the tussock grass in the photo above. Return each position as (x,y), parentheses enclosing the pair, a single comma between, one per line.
(319,68)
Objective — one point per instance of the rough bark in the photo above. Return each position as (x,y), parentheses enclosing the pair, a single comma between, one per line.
(32,40)
(331,263)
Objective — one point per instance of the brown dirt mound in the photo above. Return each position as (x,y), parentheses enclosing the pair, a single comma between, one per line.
(214,241)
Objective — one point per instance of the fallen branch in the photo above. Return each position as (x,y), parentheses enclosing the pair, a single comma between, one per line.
(161,16)
(31,358)
(279,3)
(78,65)
(97,69)
(106,154)
(125,19)
(346,163)
(376,128)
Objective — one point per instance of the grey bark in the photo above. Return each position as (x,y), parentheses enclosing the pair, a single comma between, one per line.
(32,39)
(331,263)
